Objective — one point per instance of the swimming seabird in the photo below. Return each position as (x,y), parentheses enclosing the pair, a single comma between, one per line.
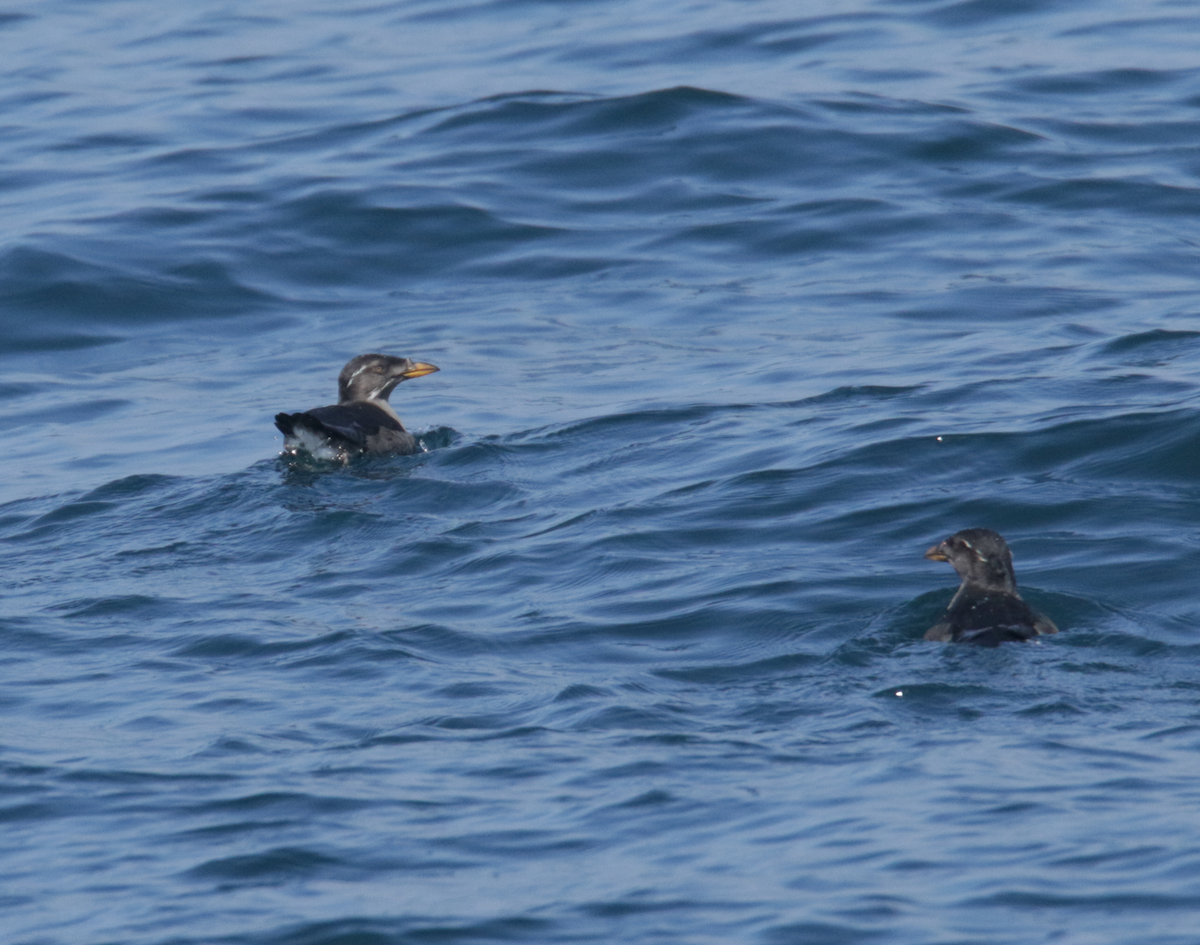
(362,421)
(987,609)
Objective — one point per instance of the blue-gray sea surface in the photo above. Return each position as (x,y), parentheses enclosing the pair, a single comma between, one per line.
(739,307)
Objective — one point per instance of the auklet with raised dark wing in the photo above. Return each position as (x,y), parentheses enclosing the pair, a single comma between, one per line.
(987,610)
(362,421)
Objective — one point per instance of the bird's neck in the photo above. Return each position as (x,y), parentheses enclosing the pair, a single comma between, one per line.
(990,584)
(382,404)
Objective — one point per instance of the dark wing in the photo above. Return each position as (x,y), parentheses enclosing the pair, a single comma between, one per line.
(357,427)
(940,632)
(349,424)
(994,636)
(989,620)
(1043,624)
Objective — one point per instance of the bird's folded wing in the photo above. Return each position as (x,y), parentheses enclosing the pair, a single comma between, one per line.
(1043,624)
(940,632)
(351,422)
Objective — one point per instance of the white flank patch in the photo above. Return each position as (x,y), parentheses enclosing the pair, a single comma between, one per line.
(315,445)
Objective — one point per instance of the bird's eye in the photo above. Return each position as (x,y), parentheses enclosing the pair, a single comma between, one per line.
(376,368)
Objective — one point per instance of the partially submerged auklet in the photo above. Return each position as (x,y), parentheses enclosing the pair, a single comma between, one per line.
(987,610)
(362,421)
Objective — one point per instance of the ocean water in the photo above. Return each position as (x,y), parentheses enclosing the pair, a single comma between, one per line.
(740,305)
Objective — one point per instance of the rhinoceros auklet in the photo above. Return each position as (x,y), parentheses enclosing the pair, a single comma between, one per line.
(987,610)
(362,421)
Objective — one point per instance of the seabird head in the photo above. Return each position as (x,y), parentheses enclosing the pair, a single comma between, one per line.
(375,376)
(981,558)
